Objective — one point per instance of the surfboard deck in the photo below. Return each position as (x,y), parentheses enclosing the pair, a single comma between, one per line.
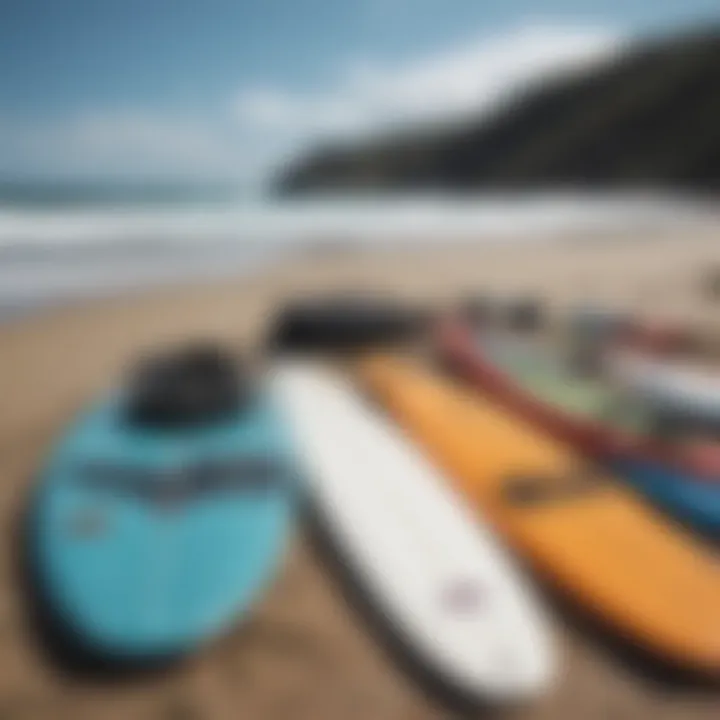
(147,543)
(679,478)
(582,532)
(667,472)
(678,487)
(449,592)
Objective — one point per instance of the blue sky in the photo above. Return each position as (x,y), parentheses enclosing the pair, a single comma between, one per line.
(223,88)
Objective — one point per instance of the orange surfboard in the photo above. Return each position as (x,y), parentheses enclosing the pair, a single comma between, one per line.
(592,539)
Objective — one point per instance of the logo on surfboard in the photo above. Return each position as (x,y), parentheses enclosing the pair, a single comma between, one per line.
(463,597)
(169,486)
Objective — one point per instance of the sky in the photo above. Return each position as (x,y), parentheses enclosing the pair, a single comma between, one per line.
(230,89)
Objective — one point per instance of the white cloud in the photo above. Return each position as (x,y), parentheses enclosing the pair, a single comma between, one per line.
(369,97)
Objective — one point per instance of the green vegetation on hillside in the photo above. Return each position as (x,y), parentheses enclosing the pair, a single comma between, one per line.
(649,118)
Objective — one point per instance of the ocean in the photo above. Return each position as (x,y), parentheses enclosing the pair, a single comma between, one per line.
(68,244)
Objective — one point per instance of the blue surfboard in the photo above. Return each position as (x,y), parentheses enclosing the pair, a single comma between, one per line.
(149,541)
(694,502)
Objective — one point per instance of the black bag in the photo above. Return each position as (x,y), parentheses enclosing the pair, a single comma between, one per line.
(194,385)
(344,322)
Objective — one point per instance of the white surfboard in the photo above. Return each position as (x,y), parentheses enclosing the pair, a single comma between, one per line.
(670,387)
(424,559)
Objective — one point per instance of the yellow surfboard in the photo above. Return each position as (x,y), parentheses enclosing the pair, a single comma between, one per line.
(592,539)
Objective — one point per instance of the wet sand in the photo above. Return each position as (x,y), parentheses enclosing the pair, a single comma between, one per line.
(307,653)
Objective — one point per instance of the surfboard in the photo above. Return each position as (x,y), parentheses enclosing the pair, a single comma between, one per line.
(148,541)
(682,475)
(671,387)
(449,593)
(603,423)
(583,533)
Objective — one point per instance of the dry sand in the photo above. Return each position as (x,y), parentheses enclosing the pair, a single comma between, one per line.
(306,653)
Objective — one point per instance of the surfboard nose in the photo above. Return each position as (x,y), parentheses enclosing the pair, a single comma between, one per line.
(528,674)
(513,668)
(494,643)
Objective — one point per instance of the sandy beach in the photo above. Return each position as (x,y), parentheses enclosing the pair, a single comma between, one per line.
(306,654)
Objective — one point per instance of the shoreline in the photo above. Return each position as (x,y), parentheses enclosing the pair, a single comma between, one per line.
(53,258)
(325,247)
(100,336)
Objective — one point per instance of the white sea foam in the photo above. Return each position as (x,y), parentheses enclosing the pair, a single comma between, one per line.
(54,253)
(363,218)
